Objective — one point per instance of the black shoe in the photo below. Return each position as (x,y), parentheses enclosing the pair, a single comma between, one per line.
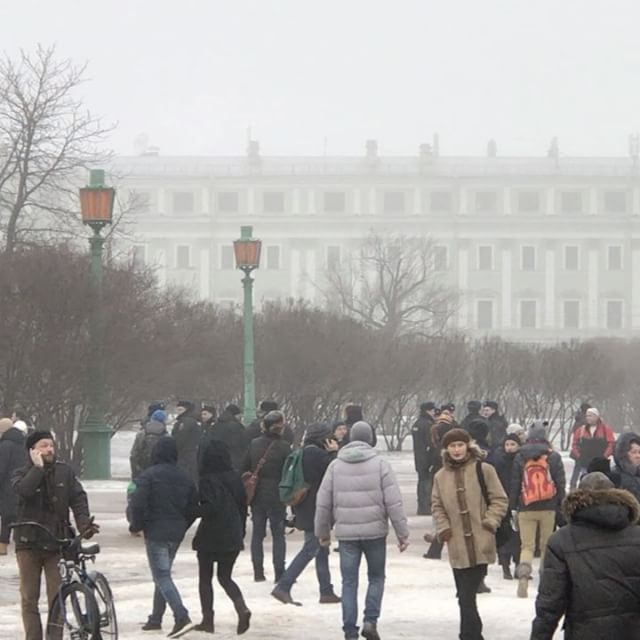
(244,615)
(369,631)
(207,624)
(152,626)
(330,598)
(180,628)
(284,597)
(258,576)
(506,573)
(430,556)
(483,588)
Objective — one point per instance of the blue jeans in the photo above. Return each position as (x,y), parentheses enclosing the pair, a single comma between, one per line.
(276,517)
(310,550)
(375,553)
(160,556)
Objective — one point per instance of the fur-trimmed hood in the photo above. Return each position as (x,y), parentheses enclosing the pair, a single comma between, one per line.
(608,509)
(476,454)
(623,444)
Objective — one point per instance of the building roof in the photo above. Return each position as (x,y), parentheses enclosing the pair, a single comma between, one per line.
(443,166)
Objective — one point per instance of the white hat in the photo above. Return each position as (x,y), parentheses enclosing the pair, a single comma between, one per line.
(593,411)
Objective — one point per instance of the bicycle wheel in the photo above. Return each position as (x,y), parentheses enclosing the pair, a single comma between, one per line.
(106,609)
(73,614)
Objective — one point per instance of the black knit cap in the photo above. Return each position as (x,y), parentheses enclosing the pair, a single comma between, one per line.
(36,436)
(513,437)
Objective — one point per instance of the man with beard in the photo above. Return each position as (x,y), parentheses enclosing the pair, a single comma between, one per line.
(46,488)
(187,434)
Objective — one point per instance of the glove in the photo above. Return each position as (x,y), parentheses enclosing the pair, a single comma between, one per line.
(91,529)
(445,535)
(514,520)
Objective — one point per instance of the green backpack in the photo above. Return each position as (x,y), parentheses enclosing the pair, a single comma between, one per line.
(293,488)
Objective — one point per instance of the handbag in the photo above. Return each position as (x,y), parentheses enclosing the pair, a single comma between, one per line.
(250,478)
(503,532)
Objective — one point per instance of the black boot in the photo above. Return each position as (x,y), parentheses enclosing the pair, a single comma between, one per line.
(278,574)
(506,570)
(207,623)
(258,574)
(244,615)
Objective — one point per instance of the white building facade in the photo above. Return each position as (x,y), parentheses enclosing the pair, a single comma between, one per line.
(540,249)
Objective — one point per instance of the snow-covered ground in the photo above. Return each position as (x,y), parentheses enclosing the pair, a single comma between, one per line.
(419,600)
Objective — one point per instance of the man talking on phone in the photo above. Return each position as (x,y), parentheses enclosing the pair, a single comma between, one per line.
(46,489)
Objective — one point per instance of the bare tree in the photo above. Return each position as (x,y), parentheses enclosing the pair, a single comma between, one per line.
(46,138)
(392,284)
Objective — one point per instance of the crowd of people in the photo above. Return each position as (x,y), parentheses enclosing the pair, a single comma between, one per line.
(496,491)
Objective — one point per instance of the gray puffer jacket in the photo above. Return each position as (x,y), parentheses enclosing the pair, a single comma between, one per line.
(359,494)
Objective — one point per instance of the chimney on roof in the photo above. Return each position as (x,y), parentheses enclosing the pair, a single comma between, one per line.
(253,154)
(492,149)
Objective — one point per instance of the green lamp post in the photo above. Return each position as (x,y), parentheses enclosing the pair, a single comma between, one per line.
(96,203)
(247,254)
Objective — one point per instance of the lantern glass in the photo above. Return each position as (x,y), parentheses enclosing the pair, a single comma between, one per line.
(247,253)
(96,204)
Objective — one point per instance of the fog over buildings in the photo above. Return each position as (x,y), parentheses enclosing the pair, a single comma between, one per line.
(234,113)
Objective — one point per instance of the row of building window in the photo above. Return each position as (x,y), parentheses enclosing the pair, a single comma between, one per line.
(529,315)
(482,201)
(485,260)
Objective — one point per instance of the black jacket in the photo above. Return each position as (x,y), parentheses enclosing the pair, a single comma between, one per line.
(267,492)
(223,503)
(165,501)
(503,462)
(421,434)
(497,429)
(592,570)
(45,495)
(187,434)
(231,431)
(315,461)
(533,450)
(12,456)
(629,475)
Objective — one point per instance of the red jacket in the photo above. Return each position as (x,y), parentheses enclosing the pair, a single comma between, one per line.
(601,430)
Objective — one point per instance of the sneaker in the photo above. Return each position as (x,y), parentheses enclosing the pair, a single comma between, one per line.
(180,628)
(369,631)
(330,598)
(152,626)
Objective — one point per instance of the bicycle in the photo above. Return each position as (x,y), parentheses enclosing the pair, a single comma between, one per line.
(83,608)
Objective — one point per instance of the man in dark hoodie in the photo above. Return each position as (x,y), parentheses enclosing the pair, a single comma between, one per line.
(421,434)
(163,506)
(537,490)
(592,567)
(187,434)
(12,457)
(319,450)
(231,431)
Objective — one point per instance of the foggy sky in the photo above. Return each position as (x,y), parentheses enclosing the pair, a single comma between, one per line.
(195,74)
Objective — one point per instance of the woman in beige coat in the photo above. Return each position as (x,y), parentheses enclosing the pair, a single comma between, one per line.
(465,522)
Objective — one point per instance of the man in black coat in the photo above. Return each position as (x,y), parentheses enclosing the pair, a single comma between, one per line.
(46,489)
(231,431)
(254,430)
(187,434)
(421,435)
(592,567)
(319,450)
(497,423)
(12,457)
(266,505)
(473,413)
(163,506)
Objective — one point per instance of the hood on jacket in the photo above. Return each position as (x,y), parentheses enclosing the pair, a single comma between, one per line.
(216,458)
(623,444)
(13,435)
(609,509)
(155,428)
(165,451)
(357,452)
(533,450)
(476,453)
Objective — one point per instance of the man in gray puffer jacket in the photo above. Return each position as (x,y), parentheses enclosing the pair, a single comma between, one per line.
(358,495)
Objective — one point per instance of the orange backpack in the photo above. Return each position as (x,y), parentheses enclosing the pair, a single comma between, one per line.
(537,484)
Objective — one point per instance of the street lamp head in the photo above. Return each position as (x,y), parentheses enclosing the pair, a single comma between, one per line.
(247,250)
(96,201)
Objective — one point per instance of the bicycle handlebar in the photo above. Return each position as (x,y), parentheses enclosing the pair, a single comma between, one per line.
(64,542)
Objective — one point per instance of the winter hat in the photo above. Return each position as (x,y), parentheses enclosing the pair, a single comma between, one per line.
(450,407)
(185,404)
(337,423)
(268,405)
(515,429)
(165,450)
(22,425)
(455,435)
(474,406)
(427,406)
(5,424)
(593,411)
(159,416)
(210,408)
(361,432)
(317,432)
(233,409)
(478,429)
(216,458)
(154,406)
(492,404)
(537,431)
(512,437)
(596,481)
(36,436)
(273,417)
(353,414)
(599,464)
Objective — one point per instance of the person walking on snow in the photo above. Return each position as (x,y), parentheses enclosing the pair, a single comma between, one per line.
(594,439)
(359,495)
(465,522)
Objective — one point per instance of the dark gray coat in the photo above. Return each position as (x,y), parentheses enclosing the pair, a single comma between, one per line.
(13,455)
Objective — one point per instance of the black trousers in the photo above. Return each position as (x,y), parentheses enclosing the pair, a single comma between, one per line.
(425,481)
(5,532)
(467,583)
(225,562)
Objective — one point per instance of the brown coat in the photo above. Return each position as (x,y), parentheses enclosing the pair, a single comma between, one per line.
(457,505)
